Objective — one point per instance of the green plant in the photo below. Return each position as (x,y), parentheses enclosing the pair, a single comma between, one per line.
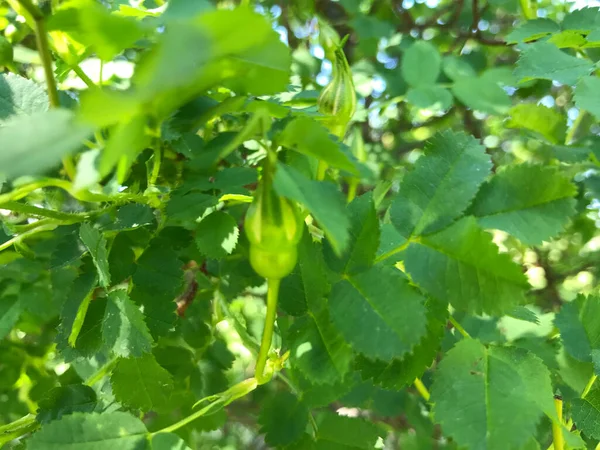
(225,227)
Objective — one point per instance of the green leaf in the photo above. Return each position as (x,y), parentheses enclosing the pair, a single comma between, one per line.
(533,203)
(543,60)
(399,373)
(441,185)
(317,348)
(185,206)
(429,97)
(546,121)
(308,283)
(22,152)
(587,95)
(106,431)
(65,400)
(378,312)
(584,19)
(96,244)
(168,441)
(340,432)
(128,217)
(217,235)
(93,25)
(20,97)
(532,30)
(586,413)
(123,329)
(364,238)
(11,308)
(421,64)
(308,137)
(578,325)
(183,9)
(457,68)
(490,398)
(482,94)
(461,264)
(322,199)
(283,419)
(141,383)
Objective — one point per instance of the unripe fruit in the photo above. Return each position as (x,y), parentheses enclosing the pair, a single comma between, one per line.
(274,228)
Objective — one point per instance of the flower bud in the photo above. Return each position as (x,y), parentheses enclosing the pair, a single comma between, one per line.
(337,100)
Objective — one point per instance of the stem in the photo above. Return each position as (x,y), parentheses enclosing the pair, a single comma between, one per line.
(267,336)
(575,127)
(43,212)
(101,372)
(321,170)
(422,389)
(352,185)
(528,11)
(458,327)
(81,74)
(20,237)
(588,387)
(155,166)
(395,250)
(558,441)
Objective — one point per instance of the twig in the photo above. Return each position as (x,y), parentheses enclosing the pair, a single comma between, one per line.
(458,327)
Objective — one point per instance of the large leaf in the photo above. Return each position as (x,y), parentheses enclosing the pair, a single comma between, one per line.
(217,235)
(322,199)
(141,383)
(586,413)
(533,203)
(318,350)
(283,419)
(587,95)
(20,97)
(378,312)
(123,328)
(544,60)
(482,94)
(398,373)
(364,238)
(490,398)
(23,152)
(462,265)
(106,431)
(441,185)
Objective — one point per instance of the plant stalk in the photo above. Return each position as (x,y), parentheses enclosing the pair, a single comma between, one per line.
(267,336)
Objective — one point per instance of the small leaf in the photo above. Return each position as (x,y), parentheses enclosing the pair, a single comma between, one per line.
(577,322)
(217,235)
(587,95)
(106,431)
(586,413)
(141,383)
(462,265)
(543,60)
(482,94)
(441,185)
(20,97)
(477,391)
(421,64)
(322,199)
(123,329)
(533,203)
(339,432)
(283,419)
(64,400)
(96,244)
(308,137)
(378,312)
(548,122)
(429,97)
(11,308)
(532,30)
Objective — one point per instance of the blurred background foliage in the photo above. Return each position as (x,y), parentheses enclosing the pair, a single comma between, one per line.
(419,67)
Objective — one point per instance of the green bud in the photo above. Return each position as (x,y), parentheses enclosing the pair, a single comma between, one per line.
(337,101)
